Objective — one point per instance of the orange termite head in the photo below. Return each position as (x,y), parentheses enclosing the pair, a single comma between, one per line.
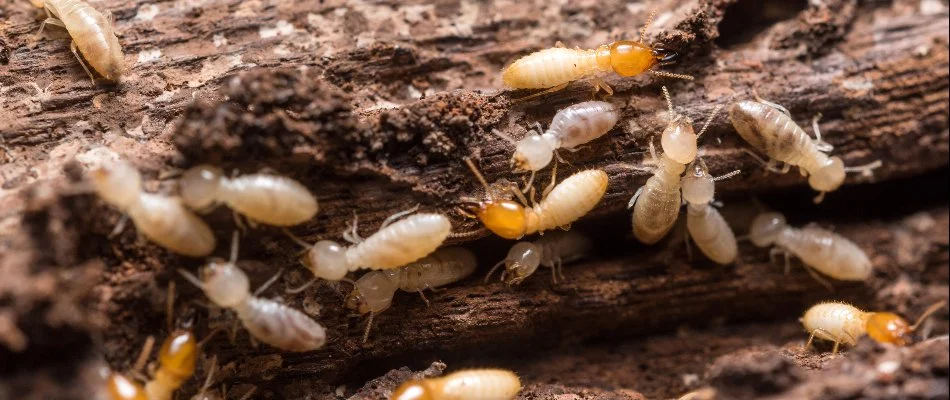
(121,388)
(179,353)
(505,218)
(885,327)
(413,390)
(629,58)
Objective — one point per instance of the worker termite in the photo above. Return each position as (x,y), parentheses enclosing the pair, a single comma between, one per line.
(844,323)
(373,292)
(270,199)
(705,225)
(92,33)
(394,245)
(768,127)
(552,251)
(571,127)
(554,68)
(471,384)
(271,322)
(818,248)
(656,205)
(164,220)
(565,203)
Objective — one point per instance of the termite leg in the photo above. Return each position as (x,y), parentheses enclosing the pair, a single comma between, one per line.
(72,46)
(821,281)
(268,283)
(819,198)
(633,200)
(770,104)
(51,21)
(301,288)
(519,195)
(542,93)
(775,251)
(142,359)
(769,165)
(600,84)
(119,227)
(820,144)
(530,182)
(396,216)
(423,296)
(866,169)
(560,269)
(550,186)
(352,235)
(369,325)
(238,222)
(811,338)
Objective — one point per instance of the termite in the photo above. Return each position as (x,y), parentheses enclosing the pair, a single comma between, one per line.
(769,128)
(164,220)
(470,384)
(844,323)
(828,252)
(554,68)
(565,203)
(551,250)
(394,245)
(708,229)
(373,292)
(656,204)
(270,199)
(92,33)
(271,322)
(571,127)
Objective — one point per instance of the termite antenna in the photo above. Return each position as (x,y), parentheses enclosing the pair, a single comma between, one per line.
(301,287)
(930,310)
(672,75)
(492,270)
(170,306)
(143,355)
(727,176)
(210,335)
(865,169)
(709,121)
(297,240)
(669,102)
(646,25)
(211,371)
(504,136)
(191,278)
(479,176)
(235,243)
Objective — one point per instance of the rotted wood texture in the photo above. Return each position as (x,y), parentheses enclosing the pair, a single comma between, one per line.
(373,106)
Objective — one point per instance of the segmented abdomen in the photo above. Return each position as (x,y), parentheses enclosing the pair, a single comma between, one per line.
(479,384)
(830,253)
(400,243)
(712,234)
(583,122)
(281,326)
(656,209)
(92,33)
(843,322)
(273,200)
(568,201)
(440,268)
(550,67)
(166,221)
(771,131)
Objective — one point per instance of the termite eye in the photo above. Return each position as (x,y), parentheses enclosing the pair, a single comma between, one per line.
(629,58)
(888,327)
(829,177)
(412,390)
(199,186)
(179,353)
(504,218)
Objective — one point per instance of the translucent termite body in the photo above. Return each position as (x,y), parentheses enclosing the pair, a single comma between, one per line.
(394,245)
(769,128)
(708,229)
(471,384)
(92,33)
(270,199)
(177,359)
(572,126)
(844,323)
(565,203)
(818,248)
(551,250)
(271,322)
(163,220)
(556,67)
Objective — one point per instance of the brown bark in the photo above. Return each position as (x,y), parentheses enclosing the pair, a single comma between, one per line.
(330,97)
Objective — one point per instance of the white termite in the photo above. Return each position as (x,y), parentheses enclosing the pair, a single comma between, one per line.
(708,229)
(844,323)
(551,250)
(92,33)
(471,384)
(271,322)
(373,292)
(163,220)
(818,248)
(269,199)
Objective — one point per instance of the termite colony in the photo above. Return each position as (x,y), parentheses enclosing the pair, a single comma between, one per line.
(405,253)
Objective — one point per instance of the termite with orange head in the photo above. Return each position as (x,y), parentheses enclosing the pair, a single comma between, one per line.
(708,229)
(471,384)
(551,250)
(164,220)
(373,292)
(270,199)
(769,128)
(267,320)
(565,203)
(92,33)
(844,323)
(554,68)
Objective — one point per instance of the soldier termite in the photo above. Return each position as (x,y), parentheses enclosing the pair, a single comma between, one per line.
(705,225)
(471,384)
(554,68)
(844,323)
(656,205)
(571,127)
(768,127)
(551,250)
(92,33)
(270,199)
(373,292)
(397,242)
(164,220)
(271,322)
(818,248)
(565,203)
